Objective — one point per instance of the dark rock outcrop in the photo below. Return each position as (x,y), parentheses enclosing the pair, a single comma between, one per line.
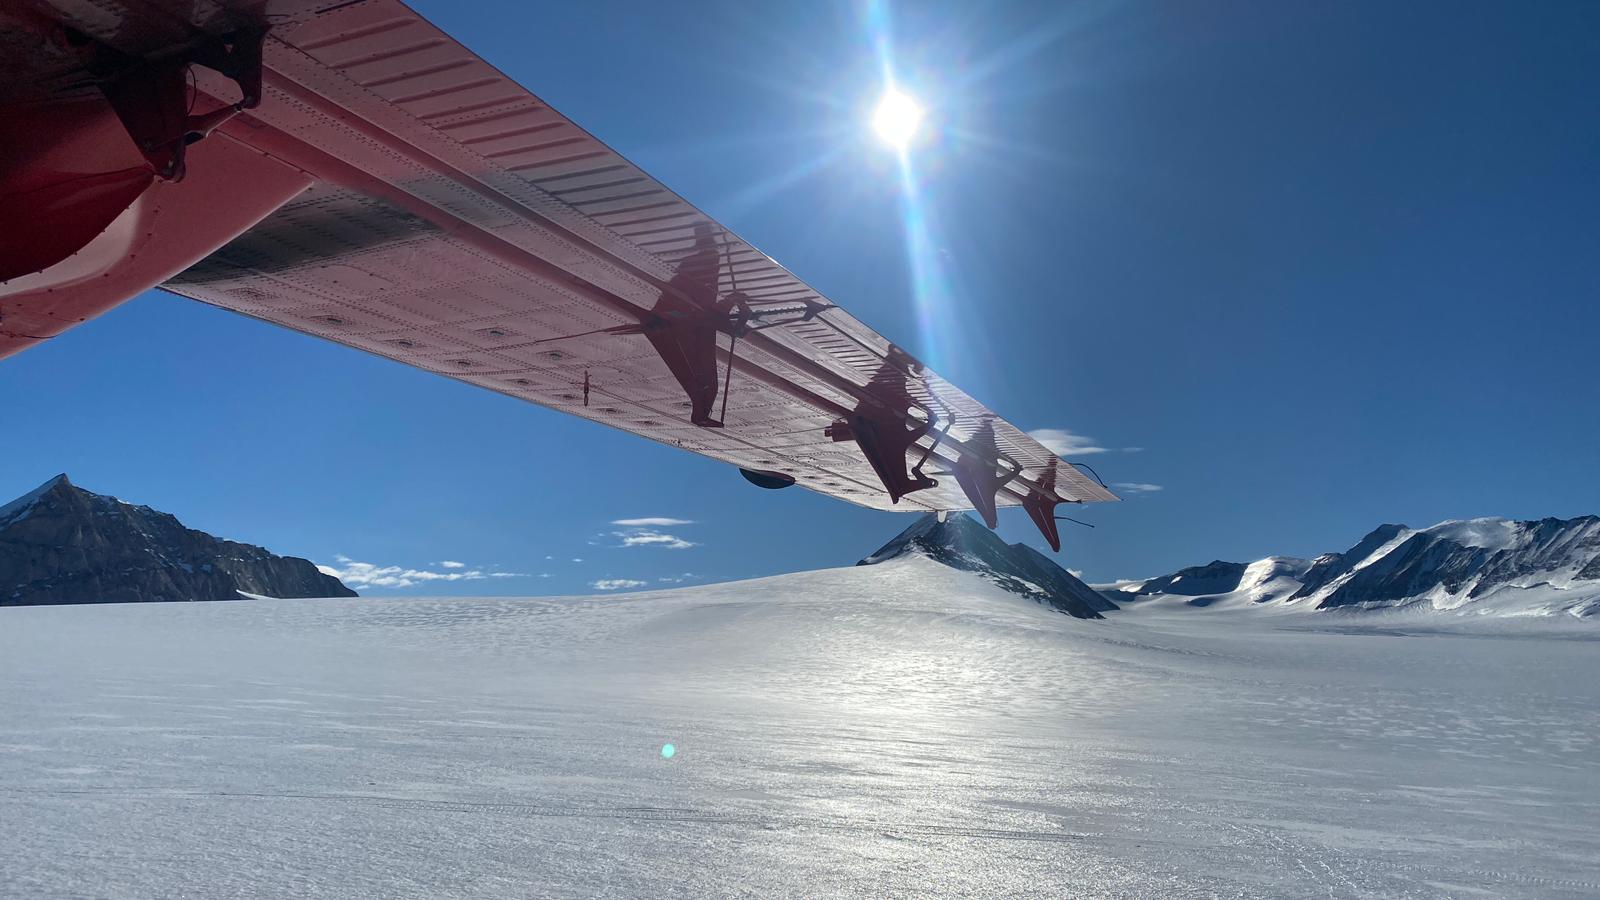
(1329,567)
(62,544)
(962,543)
(1215,577)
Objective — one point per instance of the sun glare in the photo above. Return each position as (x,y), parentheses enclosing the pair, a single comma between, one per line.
(897,118)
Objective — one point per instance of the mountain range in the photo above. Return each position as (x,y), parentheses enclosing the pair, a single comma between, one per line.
(60,543)
(1488,566)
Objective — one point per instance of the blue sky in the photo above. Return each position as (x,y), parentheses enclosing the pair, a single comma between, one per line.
(1326,265)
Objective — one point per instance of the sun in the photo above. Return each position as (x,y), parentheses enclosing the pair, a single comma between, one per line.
(896,118)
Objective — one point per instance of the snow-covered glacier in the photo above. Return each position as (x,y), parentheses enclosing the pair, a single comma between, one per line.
(902,729)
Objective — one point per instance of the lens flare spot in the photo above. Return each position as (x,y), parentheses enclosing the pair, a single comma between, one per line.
(668,751)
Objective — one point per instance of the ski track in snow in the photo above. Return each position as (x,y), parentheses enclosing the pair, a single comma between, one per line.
(896,730)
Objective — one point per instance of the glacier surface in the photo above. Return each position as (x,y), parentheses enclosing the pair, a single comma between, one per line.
(895,730)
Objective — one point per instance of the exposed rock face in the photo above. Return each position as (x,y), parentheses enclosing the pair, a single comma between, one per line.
(1331,567)
(1060,582)
(1215,577)
(1470,560)
(1540,567)
(62,544)
(962,543)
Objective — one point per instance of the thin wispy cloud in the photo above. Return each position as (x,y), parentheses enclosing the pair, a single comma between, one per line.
(1062,442)
(451,564)
(647,538)
(616,584)
(645,532)
(358,574)
(1137,487)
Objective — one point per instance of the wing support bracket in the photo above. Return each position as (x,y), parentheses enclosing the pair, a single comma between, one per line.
(152,98)
(939,434)
(1041,504)
(879,425)
(1042,510)
(884,440)
(980,479)
(982,483)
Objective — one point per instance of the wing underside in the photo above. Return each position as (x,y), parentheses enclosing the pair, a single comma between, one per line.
(458,224)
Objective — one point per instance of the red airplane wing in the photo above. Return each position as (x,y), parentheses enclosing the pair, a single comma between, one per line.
(421,206)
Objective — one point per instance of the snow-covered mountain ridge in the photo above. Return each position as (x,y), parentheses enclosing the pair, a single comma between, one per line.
(961,543)
(1488,566)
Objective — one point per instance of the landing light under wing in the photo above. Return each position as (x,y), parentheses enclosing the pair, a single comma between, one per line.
(452,221)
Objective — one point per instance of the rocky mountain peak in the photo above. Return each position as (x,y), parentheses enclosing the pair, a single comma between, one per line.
(19,507)
(62,544)
(962,543)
